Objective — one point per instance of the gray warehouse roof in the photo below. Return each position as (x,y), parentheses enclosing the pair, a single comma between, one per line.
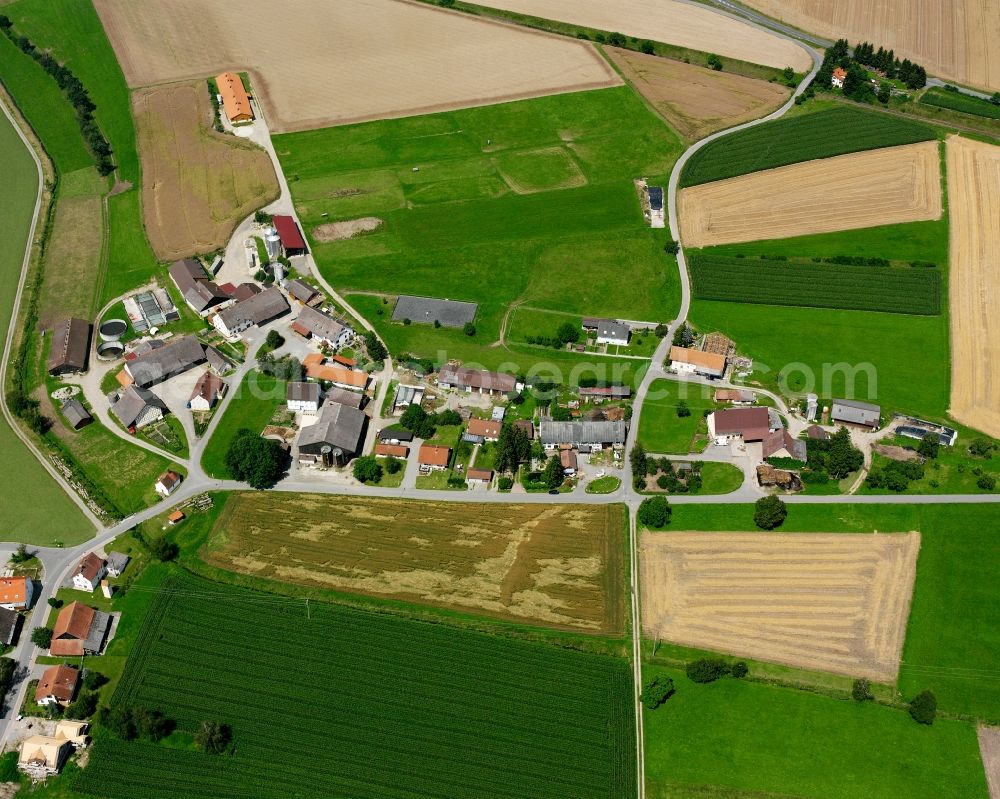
(256,310)
(449,313)
(132,402)
(854,412)
(339,426)
(582,432)
(176,356)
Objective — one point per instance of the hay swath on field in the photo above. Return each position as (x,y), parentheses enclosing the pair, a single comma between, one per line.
(196,184)
(697,100)
(879,187)
(954,39)
(682,24)
(829,602)
(317,63)
(974,209)
(560,566)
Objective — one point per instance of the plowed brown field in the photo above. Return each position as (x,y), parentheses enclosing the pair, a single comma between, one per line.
(683,24)
(953,39)
(196,184)
(317,63)
(835,603)
(696,100)
(879,187)
(974,283)
(560,566)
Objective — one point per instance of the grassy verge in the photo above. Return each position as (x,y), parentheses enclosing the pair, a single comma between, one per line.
(253,405)
(662,430)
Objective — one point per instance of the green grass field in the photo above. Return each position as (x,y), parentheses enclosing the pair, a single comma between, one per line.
(902,290)
(960,102)
(914,241)
(317,710)
(33,508)
(954,629)
(893,359)
(252,407)
(735,738)
(822,134)
(661,429)
(530,201)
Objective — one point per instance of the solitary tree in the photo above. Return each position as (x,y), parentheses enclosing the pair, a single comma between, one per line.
(929,445)
(861,691)
(41,637)
(842,456)
(655,512)
(258,461)
(274,339)
(213,737)
(769,512)
(469,329)
(923,708)
(553,473)
(163,550)
(367,469)
(568,333)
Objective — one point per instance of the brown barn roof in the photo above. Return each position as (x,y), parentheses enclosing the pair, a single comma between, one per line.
(70,344)
(479,474)
(753,424)
(71,630)
(58,681)
(391,450)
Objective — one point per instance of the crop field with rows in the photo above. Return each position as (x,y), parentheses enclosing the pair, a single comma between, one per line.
(956,101)
(334,702)
(822,134)
(906,290)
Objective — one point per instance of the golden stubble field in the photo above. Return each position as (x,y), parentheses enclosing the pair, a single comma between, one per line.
(697,100)
(879,187)
(561,566)
(683,24)
(953,39)
(197,185)
(316,63)
(974,282)
(829,602)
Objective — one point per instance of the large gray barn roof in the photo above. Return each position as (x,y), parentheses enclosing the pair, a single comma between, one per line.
(171,359)
(450,313)
(339,426)
(582,432)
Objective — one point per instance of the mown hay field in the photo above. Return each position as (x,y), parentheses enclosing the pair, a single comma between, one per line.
(197,185)
(697,100)
(336,702)
(954,39)
(828,602)
(888,186)
(683,24)
(318,63)
(560,566)
(974,208)
(791,140)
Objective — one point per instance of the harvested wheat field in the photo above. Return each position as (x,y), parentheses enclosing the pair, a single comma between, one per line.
(974,283)
(878,187)
(835,603)
(989,749)
(671,22)
(697,100)
(953,39)
(561,566)
(196,184)
(317,63)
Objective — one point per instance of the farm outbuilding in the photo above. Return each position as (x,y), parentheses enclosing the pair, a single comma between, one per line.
(336,437)
(235,100)
(291,237)
(76,414)
(70,346)
(864,414)
(447,313)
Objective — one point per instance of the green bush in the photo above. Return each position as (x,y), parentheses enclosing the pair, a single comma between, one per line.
(367,469)
(41,637)
(987,482)
(923,708)
(255,460)
(655,512)
(861,691)
(706,670)
(656,692)
(769,513)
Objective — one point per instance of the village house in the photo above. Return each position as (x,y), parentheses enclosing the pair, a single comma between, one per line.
(69,348)
(16,593)
(316,368)
(479,476)
(57,685)
(324,329)
(167,483)
(257,309)
(476,380)
(136,407)
(480,430)
(605,392)
(336,437)
(89,572)
(391,451)
(291,238)
(217,362)
(79,630)
(10,626)
(852,412)
(235,100)
(568,460)
(302,397)
(745,424)
(688,361)
(586,436)
(41,756)
(527,426)
(116,563)
(837,78)
(432,458)
(195,286)
(735,396)
(207,391)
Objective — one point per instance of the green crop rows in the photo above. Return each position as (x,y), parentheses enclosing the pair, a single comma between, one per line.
(336,702)
(907,290)
(823,134)
(961,102)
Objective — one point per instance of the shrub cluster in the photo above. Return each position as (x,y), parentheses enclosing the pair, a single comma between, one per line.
(706,670)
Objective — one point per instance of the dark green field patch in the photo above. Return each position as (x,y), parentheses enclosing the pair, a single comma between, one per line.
(340,702)
(906,290)
(822,134)
(956,101)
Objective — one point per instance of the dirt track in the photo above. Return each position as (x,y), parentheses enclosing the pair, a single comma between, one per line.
(829,602)
(319,63)
(974,283)
(954,39)
(196,184)
(697,100)
(681,24)
(989,748)
(860,190)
